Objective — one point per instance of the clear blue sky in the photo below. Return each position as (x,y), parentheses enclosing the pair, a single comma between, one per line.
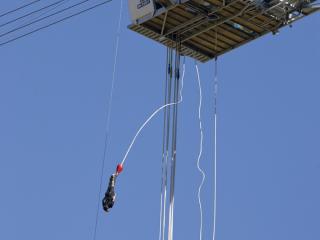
(54,87)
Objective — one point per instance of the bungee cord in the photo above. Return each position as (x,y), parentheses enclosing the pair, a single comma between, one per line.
(142,127)
(109,106)
(200,151)
(148,120)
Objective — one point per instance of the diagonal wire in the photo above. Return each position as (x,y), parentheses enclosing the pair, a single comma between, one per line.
(43,18)
(19,8)
(106,141)
(55,22)
(31,13)
(50,10)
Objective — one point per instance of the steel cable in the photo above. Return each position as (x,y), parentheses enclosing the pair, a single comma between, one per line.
(109,106)
(215,148)
(215,99)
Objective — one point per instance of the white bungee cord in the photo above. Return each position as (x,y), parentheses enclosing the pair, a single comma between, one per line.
(200,151)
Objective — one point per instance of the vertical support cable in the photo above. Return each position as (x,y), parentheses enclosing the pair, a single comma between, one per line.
(163,149)
(174,139)
(166,127)
(167,139)
(215,148)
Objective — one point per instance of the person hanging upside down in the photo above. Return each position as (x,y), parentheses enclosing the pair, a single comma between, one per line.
(110,196)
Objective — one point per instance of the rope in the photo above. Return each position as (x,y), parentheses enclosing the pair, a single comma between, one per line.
(148,120)
(200,152)
(106,140)
(215,149)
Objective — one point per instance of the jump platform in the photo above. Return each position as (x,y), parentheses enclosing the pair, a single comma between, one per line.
(209,28)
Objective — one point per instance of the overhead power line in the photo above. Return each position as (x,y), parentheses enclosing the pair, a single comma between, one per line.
(19,8)
(31,13)
(43,18)
(51,24)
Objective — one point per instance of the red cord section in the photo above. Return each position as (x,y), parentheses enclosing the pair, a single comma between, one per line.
(119,169)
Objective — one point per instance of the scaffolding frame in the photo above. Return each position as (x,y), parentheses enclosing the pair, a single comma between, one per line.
(210,30)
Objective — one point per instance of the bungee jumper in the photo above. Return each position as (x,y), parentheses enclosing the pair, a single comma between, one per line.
(110,195)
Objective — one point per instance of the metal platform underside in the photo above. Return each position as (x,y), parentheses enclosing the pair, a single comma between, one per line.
(206,33)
